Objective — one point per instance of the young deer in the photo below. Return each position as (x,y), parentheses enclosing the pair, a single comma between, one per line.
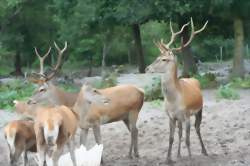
(56,126)
(20,136)
(121,106)
(182,97)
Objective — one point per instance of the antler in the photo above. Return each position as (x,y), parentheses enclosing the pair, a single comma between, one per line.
(193,33)
(174,34)
(59,60)
(41,59)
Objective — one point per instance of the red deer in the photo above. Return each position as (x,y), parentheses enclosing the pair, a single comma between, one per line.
(20,136)
(125,103)
(182,97)
(56,126)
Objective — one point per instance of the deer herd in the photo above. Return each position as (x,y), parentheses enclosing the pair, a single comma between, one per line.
(52,116)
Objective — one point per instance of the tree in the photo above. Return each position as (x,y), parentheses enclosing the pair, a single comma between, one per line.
(236,11)
(25,24)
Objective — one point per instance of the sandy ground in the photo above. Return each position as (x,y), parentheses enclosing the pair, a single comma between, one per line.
(225,129)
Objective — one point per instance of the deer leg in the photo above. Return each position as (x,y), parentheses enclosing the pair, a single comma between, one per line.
(133,115)
(198,118)
(135,138)
(188,136)
(71,151)
(180,137)
(25,158)
(97,134)
(41,155)
(98,138)
(56,155)
(83,136)
(126,122)
(172,125)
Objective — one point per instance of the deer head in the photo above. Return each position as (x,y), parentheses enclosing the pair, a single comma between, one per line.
(166,61)
(88,96)
(45,89)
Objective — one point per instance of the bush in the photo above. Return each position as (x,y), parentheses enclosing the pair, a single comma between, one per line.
(241,83)
(107,81)
(207,80)
(14,90)
(153,91)
(227,92)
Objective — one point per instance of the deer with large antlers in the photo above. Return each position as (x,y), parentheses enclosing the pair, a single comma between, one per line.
(182,97)
(120,108)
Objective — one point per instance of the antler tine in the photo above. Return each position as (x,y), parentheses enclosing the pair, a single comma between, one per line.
(41,59)
(174,34)
(160,45)
(193,33)
(59,59)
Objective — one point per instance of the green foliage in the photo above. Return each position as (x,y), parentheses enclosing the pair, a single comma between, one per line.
(207,80)
(14,90)
(156,103)
(241,83)
(107,81)
(69,87)
(227,92)
(153,91)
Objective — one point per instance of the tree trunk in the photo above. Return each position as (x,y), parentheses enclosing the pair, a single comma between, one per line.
(238,61)
(90,66)
(138,47)
(189,65)
(104,54)
(17,63)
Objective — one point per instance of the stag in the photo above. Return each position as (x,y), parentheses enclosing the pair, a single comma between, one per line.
(182,97)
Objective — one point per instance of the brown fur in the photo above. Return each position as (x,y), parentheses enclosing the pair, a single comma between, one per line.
(25,139)
(125,104)
(67,121)
(182,98)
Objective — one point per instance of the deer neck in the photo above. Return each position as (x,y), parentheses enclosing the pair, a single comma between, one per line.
(170,83)
(81,106)
(62,97)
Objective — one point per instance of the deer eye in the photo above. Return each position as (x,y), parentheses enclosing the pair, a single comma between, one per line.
(165,60)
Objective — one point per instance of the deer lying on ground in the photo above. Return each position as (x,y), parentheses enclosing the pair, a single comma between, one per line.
(20,136)
(126,102)
(182,97)
(56,126)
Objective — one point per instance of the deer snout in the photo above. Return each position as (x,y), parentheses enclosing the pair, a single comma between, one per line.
(50,141)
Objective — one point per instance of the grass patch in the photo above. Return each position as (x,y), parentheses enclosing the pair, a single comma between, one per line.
(69,87)
(156,103)
(107,81)
(207,80)
(153,91)
(14,90)
(227,92)
(240,83)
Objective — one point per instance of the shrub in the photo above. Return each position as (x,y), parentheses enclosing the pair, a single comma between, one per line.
(207,80)
(241,83)
(153,91)
(14,90)
(227,92)
(109,80)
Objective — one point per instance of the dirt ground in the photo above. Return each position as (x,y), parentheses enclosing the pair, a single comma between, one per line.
(225,130)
